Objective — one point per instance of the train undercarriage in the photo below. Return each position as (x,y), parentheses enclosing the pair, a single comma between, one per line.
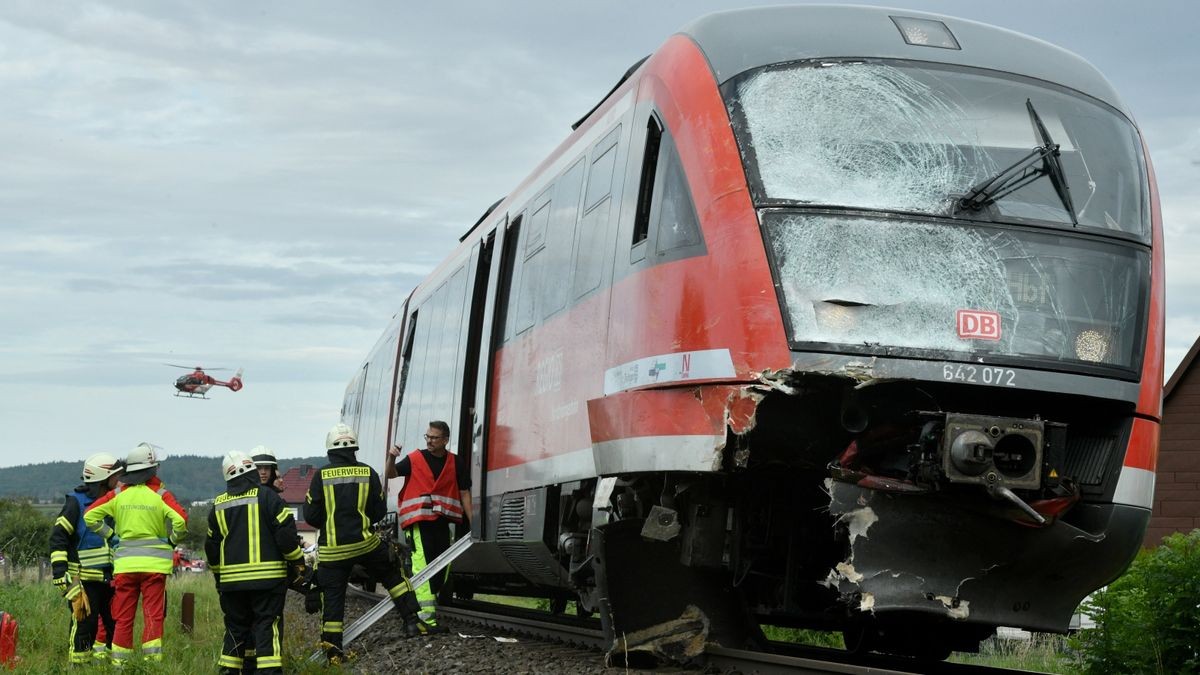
(912,517)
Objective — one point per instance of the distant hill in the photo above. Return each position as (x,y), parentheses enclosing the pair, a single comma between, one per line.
(189,477)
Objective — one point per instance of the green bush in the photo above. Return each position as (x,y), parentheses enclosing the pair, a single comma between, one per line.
(1148,621)
(24,533)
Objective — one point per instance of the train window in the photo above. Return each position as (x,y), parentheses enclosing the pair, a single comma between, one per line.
(536,235)
(590,249)
(678,226)
(589,261)
(604,159)
(532,269)
(433,361)
(560,238)
(641,223)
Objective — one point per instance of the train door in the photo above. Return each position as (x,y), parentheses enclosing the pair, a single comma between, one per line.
(486,330)
(471,413)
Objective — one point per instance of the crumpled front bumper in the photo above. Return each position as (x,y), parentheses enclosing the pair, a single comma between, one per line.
(951,556)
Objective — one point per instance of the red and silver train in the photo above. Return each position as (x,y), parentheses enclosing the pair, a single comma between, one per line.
(832,317)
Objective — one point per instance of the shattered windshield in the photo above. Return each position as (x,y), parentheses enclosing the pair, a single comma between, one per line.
(903,137)
(940,286)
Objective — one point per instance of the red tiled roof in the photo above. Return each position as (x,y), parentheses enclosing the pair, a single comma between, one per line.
(295,483)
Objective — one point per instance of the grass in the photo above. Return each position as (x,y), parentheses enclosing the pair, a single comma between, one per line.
(1043,653)
(44,621)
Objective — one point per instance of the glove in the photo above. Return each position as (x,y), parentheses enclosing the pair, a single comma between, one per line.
(72,590)
(61,584)
(80,607)
(298,577)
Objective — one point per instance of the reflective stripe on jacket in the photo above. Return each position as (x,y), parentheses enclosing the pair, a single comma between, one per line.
(251,537)
(95,556)
(73,547)
(148,527)
(425,497)
(344,500)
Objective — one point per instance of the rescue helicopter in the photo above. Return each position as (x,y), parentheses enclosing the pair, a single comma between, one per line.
(197,383)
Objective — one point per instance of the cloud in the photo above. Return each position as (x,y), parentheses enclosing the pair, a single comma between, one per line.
(262,185)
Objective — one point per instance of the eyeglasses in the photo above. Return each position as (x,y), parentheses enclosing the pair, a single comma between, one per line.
(433,438)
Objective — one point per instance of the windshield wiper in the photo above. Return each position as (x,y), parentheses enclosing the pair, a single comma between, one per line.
(1023,172)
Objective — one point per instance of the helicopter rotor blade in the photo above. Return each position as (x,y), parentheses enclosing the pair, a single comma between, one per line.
(201,368)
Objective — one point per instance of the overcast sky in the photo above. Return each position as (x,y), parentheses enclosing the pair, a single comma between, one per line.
(260,184)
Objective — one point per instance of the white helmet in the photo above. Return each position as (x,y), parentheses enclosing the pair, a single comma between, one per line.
(340,436)
(235,464)
(99,466)
(263,456)
(144,456)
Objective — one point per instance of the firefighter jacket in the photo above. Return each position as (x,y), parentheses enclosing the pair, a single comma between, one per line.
(147,522)
(251,537)
(73,547)
(344,500)
(426,497)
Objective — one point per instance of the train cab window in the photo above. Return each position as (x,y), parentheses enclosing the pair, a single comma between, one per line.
(674,210)
(533,266)
(650,161)
(560,239)
(589,257)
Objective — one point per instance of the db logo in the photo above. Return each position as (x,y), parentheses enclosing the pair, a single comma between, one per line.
(978,325)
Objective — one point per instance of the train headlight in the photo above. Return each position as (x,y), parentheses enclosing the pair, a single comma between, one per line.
(1091,345)
(925,32)
(999,451)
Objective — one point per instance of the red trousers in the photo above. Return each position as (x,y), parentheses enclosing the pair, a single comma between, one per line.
(152,588)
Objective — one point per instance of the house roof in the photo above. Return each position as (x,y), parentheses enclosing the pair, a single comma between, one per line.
(295,483)
(1181,369)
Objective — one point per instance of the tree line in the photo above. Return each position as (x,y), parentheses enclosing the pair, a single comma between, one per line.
(190,478)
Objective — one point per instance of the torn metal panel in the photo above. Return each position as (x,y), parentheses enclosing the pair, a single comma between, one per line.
(741,409)
(941,554)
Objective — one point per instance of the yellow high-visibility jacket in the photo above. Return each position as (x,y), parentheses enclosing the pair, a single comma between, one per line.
(147,523)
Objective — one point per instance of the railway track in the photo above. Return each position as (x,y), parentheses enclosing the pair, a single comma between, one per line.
(584,639)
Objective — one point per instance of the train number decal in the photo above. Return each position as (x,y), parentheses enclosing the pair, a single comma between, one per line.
(1001,377)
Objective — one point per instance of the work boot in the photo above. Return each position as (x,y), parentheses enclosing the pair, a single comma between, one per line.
(334,655)
(433,628)
(411,627)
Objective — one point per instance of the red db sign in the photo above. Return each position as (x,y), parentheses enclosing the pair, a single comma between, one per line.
(977,325)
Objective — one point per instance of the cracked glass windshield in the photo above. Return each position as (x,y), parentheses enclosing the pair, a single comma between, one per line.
(903,138)
(902,142)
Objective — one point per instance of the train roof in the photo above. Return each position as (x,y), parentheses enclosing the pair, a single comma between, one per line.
(739,40)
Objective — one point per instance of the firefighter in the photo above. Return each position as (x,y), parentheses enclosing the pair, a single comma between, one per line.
(268,467)
(252,552)
(344,500)
(148,522)
(81,562)
(436,493)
